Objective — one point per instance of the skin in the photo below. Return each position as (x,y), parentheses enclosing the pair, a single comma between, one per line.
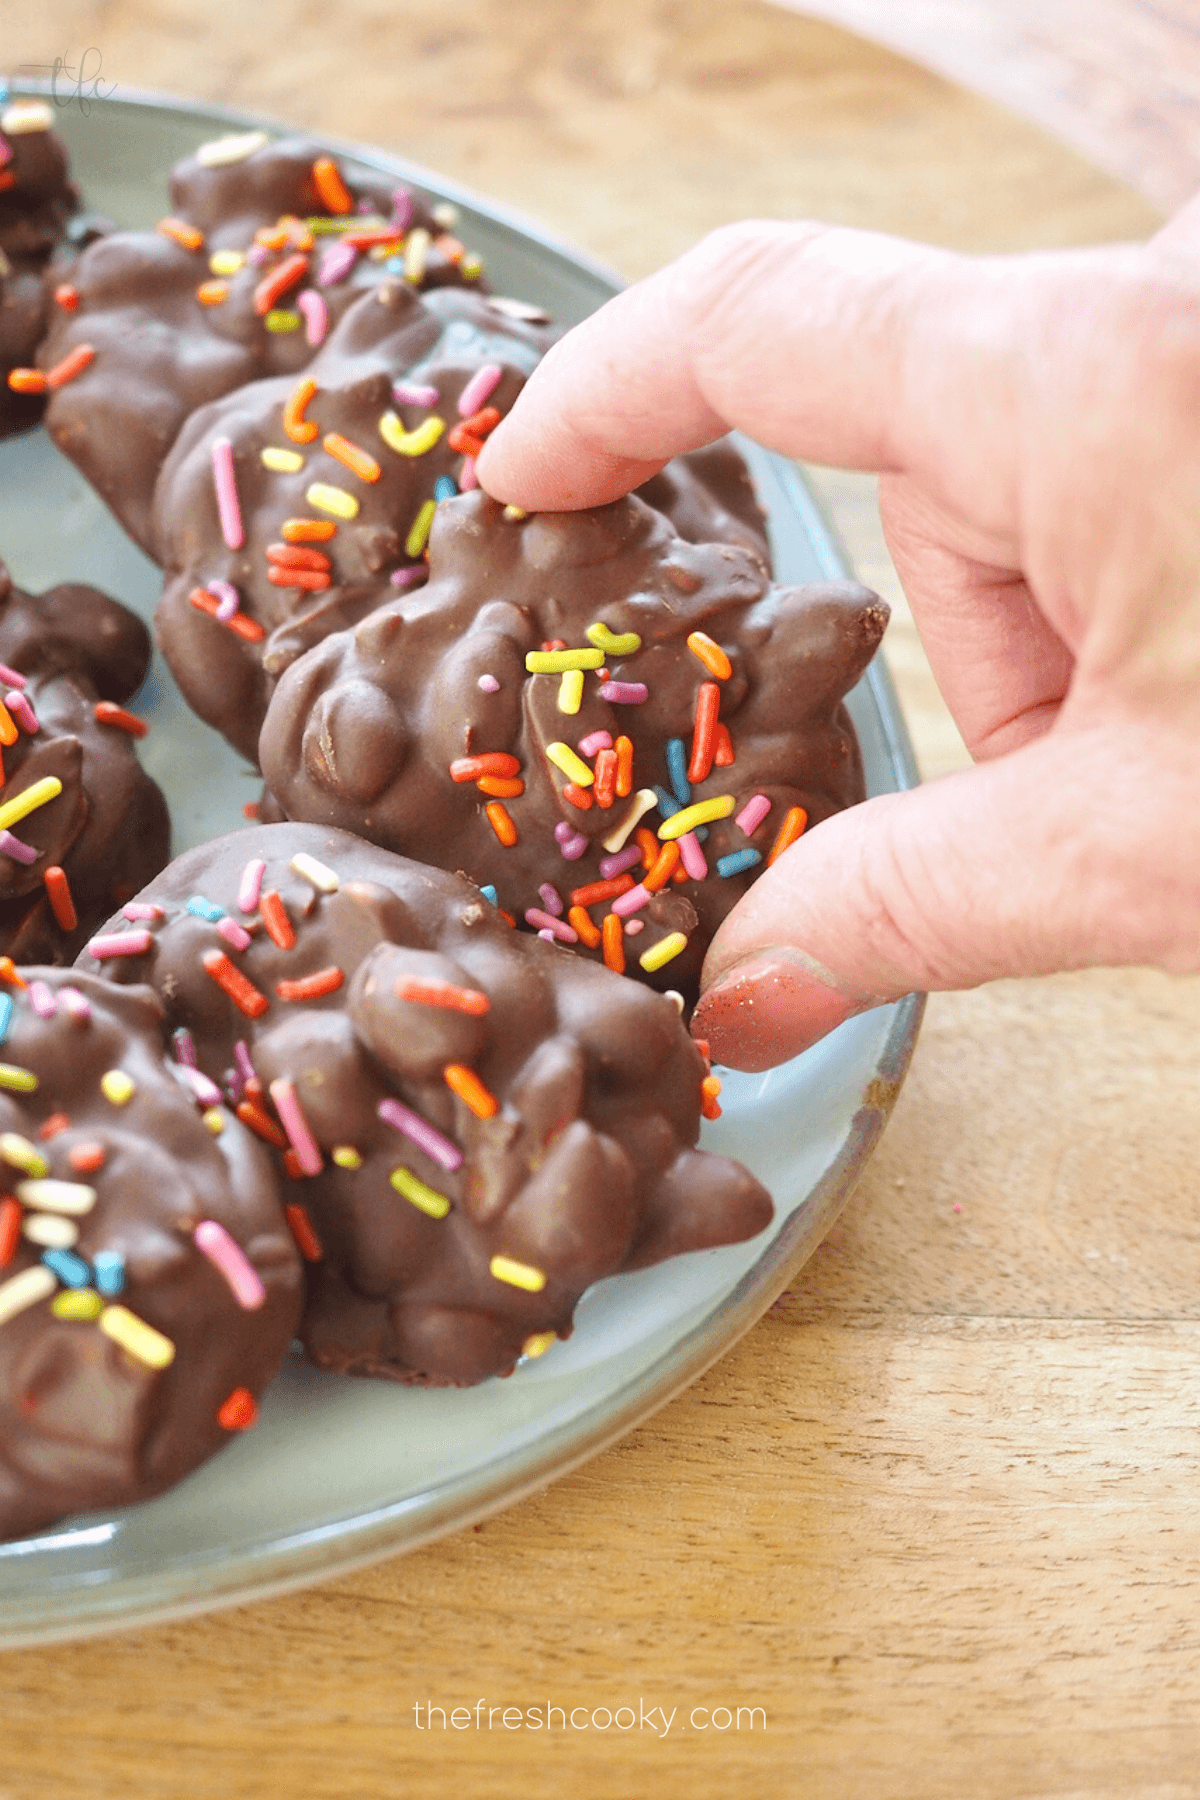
(1034,423)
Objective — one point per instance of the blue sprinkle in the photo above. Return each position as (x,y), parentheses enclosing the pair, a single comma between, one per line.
(205,909)
(445,488)
(6,1016)
(677,770)
(666,806)
(738,861)
(110,1271)
(394,265)
(489,893)
(71,1270)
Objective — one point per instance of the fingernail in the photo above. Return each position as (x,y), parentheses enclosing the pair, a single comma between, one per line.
(769,1008)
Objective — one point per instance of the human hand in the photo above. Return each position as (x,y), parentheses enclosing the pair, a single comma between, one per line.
(1036,424)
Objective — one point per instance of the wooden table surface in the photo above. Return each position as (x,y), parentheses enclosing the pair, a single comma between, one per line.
(937,1513)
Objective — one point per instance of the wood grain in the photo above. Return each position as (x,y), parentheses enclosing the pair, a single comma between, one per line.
(935,1514)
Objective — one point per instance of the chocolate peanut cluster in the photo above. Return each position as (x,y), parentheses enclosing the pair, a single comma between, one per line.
(37,199)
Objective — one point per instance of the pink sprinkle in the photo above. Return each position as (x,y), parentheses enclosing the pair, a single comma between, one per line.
(213,1241)
(291,1117)
(133,910)
(315,314)
(632,902)
(42,1000)
(478,388)
(184,1045)
(612,866)
(119,943)
(257,254)
(402,209)
(336,264)
(488,684)
(227,597)
(545,922)
(447,1155)
(571,843)
(250,886)
(633,926)
(241,1057)
(550,899)
(625,693)
(227,497)
(77,1004)
(595,741)
(753,814)
(5,152)
(692,856)
(403,578)
(12,846)
(234,934)
(404,393)
(11,676)
(21,710)
(468,480)
(206,1092)
(957,1207)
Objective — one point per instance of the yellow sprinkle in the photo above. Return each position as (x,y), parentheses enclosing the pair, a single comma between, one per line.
(138,1339)
(550,662)
(415,253)
(319,874)
(570,691)
(50,1231)
(347,1157)
(410,443)
(25,1289)
(226,262)
(613,643)
(118,1087)
(333,500)
(283,319)
(518,1274)
(427,1199)
(471,266)
(37,794)
(539,1343)
(214,1118)
(77,1303)
(73,1197)
(510,512)
(418,537)
(19,1081)
(22,1155)
(702,813)
(643,801)
(232,149)
(284,462)
(572,766)
(663,952)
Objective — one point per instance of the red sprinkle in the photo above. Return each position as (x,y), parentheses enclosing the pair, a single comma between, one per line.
(262,1124)
(295,556)
(58,892)
(311,987)
(59,1121)
(492,762)
(595,891)
(245,996)
(708,702)
(73,364)
(85,1159)
(238,1412)
(301,1227)
(275,917)
(306,579)
(241,623)
(577,796)
(272,287)
(722,747)
(108,713)
(443,993)
(606,778)
(11,1214)
(66,296)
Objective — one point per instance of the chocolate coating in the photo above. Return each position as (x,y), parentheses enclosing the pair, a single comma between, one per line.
(160,352)
(363,729)
(108,829)
(36,200)
(85,1422)
(585,1168)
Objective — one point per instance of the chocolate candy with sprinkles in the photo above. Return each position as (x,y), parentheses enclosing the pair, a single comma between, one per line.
(611,729)
(474,1127)
(149,1287)
(37,199)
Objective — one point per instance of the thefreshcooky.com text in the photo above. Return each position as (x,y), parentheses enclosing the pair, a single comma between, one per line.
(657,1719)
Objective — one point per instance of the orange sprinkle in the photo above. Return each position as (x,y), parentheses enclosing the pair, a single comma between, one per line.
(794,821)
(307,531)
(613,937)
(301,1228)
(450,247)
(502,787)
(8,972)
(309,581)
(275,917)
(27,381)
(58,892)
(593,892)
(59,1121)
(710,654)
(273,237)
(327,179)
(664,867)
(272,287)
(11,1214)
(85,1159)
(237,1412)
(708,702)
(250,809)
(580,920)
(186,236)
(710,1089)
(298,428)
(241,623)
(107,713)
(212,293)
(73,364)
(679,875)
(501,823)
(291,1166)
(245,996)
(492,762)
(262,1125)
(466,1084)
(722,747)
(606,778)
(7,180)
(356,460)
(311,987)
(66,296)
(649,846)
(577,796)
(443,993)
(624,750)
(507,917)
(8,726)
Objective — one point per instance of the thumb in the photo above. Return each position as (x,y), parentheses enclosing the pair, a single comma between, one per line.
(1067,853)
